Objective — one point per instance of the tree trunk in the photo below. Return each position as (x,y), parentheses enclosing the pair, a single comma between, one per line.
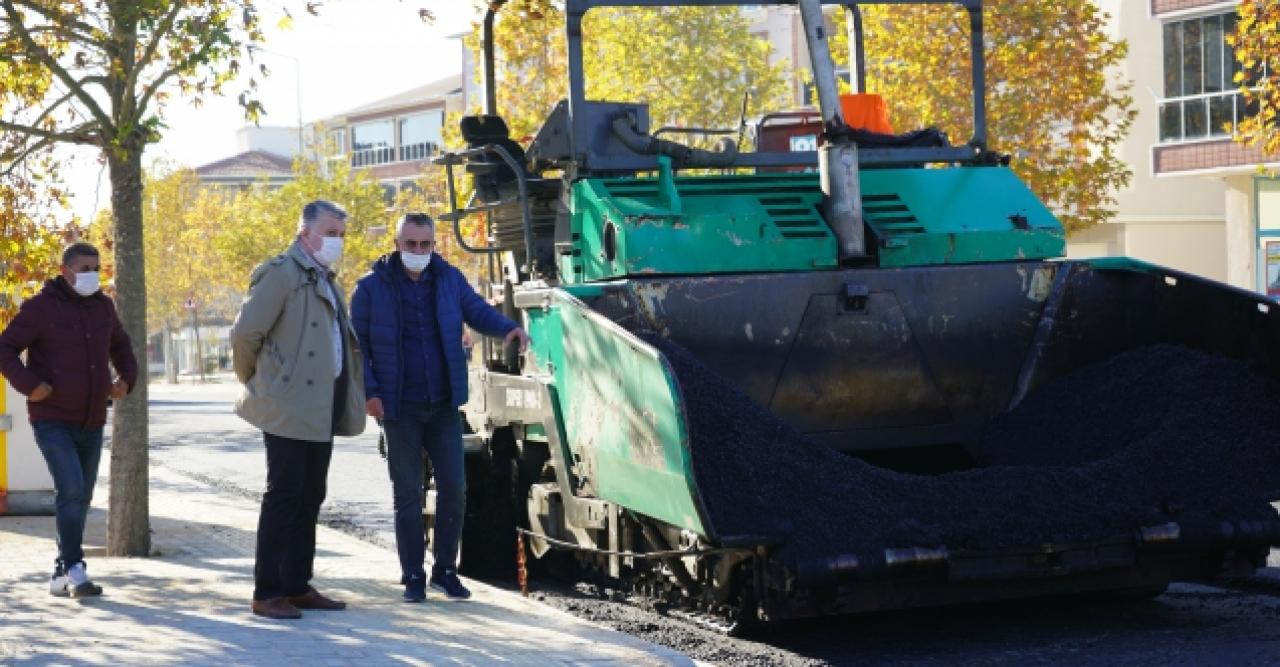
(128,520)
(170,355)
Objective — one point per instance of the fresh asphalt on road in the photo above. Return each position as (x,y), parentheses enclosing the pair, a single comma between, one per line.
(193,432)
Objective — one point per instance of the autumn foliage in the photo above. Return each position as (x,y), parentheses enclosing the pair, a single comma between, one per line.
(1050,102)
(692,65)
(1257,47)
(98,74)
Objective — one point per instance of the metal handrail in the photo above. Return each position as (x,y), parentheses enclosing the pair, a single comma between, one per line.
(1201,96)
(449,160)
(1235,95)
(716,131)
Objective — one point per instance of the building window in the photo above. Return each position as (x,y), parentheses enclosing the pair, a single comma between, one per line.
(420,135)
(372,143)
(388,192)
(410,186)
(1200,96)
(338,141)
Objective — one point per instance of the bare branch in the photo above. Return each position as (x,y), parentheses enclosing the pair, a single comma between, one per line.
(65,33)
(60,19)
(50,108)
(169,74)
(157,36)
(18,161)
(83,134)
(29,44)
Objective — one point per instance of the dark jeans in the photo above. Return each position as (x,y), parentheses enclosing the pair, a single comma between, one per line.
(297,471)
(72,454)
(437,429)
(296,475)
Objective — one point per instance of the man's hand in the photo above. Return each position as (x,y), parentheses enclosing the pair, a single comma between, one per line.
(119,389)
(518,334)
(40,393)
(373,408)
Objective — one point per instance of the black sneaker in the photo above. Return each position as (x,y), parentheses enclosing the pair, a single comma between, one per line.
(58,582)
(447,582)
(415,589)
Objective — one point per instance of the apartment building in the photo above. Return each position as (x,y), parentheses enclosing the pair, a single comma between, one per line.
(1197,201)
(393,138)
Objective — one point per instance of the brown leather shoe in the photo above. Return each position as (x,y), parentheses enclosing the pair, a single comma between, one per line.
(278,608)
(312,599)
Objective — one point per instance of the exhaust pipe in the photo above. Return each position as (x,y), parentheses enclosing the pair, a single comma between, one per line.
(838,157)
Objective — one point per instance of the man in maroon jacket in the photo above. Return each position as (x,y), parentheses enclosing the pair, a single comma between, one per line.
(70,332)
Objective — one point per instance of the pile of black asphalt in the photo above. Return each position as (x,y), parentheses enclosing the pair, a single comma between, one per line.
(1153,435)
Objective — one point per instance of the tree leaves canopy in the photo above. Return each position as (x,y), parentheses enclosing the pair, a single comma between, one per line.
(692,65)
(1257,47)
(1049,102)
(98,73)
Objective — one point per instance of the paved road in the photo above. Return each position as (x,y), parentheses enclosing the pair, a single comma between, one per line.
(193,432)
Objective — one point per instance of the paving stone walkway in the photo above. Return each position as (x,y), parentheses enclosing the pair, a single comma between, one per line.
(189,603)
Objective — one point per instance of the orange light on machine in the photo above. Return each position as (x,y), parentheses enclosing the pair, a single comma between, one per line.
(866,111)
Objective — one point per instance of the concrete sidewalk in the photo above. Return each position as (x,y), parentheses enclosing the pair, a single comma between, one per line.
(189,603)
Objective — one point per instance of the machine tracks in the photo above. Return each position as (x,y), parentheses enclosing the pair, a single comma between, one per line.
(647,588)
(1257,584)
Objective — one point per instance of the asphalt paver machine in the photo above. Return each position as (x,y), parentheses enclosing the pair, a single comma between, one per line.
(880,294)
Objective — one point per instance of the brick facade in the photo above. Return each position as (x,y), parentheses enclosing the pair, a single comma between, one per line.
(1159,7)
(1176,158)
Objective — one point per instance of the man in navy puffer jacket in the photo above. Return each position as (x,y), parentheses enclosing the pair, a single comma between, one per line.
(408,313)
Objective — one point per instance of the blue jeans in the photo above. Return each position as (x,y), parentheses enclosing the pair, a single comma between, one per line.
(72,455)
(436,429)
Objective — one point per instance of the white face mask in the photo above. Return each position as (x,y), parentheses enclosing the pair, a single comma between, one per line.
(414,262)
(330,250)
(87,283)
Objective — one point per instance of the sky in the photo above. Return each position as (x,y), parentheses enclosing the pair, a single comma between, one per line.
(354,52)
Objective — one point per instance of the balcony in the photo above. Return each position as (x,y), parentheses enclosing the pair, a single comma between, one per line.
(1203,116)
(1195,134)
(418,151)
(366,157)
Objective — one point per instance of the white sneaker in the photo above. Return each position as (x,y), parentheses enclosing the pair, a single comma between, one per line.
(79,584)
(58,583)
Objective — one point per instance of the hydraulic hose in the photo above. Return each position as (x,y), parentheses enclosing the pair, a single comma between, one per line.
(684,156)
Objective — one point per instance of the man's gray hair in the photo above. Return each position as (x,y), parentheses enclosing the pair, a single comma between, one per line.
(312,212)
(421,219)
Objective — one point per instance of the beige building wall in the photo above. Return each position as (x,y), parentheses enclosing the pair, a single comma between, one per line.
(781,27)
(1198,247)
(1175,221)
(1178,198)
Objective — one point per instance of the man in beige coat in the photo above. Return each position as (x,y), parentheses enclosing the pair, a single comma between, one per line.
(294,350)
